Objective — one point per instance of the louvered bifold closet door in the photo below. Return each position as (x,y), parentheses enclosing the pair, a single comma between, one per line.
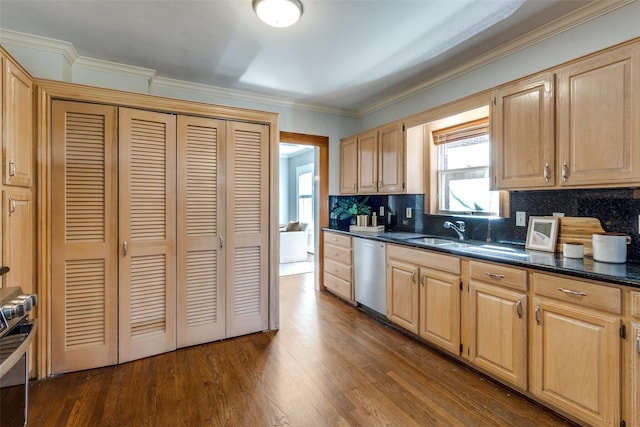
(147,253)
(200,287)
(247,239)
(84,285)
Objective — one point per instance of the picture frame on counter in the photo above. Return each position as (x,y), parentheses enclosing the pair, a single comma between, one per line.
(542,233)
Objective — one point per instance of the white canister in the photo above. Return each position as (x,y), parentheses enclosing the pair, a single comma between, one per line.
(573,249)
(610,247)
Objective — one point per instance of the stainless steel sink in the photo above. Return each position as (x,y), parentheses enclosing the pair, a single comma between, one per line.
(435,241)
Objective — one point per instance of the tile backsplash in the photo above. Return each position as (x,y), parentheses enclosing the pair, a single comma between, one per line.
(617,210)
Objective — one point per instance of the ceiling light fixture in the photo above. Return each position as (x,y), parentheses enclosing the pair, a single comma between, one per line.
(278,13)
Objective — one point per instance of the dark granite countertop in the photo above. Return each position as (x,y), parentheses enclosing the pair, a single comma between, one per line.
(627,274)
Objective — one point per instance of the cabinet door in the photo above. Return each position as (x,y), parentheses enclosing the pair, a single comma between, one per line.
(349,166)
(522,134)
(200,262)
(18,125)
(440,309)
(576,361)
(498,332)
(84,236)
(403,295)
(635,374)
(246,243)
(368,162)
(599,119)
(147,214)
(18,238)
(391,159)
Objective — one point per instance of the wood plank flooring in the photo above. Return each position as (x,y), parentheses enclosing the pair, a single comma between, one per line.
(328,365)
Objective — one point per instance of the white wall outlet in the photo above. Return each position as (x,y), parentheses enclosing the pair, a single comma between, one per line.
(408,213)
(521,219)
(638,224)
(558,214)
(381,211)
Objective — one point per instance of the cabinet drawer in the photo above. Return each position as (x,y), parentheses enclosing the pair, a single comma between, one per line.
(338,286)
(635,304)
(337,239)
(601,297)
(425,258)
(337,269)
(498,275)
(338,253)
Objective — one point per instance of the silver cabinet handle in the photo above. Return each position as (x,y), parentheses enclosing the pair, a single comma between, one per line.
(413,277)
(546,172)
(638,342)
(12,168)
(494,275)
(124,248)
(12,205)
(564,172)
(519,308)
(354,185)
(572,292)
(422,279)
(538,314)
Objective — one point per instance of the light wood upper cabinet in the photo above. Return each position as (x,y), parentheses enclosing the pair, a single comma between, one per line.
(523,134)
(16,124)
(368,162)
(387,162)
(349,165)
(599,119)
(391,159)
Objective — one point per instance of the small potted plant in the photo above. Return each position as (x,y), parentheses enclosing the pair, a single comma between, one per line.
(347,208)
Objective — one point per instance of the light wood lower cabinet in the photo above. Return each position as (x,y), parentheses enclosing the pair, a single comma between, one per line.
(576,351)
(338,265)
(498,321)
(18,210)
(423,295)
(403,293)
(634,357)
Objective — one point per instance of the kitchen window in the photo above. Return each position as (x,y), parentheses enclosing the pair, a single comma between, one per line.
(463,153)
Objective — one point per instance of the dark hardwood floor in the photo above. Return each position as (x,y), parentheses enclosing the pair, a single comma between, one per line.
(328,365)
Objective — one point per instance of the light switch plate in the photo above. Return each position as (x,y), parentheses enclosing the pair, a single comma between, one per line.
(521,219)
(408,213)
(381,211)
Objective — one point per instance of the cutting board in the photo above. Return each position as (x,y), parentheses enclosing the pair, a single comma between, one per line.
(578,229)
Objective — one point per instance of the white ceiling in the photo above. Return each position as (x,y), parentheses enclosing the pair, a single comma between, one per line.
(342,55)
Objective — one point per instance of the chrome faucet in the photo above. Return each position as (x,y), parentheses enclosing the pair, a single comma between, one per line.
(458,227)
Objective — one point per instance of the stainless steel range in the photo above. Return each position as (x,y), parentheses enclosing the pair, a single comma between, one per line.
(16,334)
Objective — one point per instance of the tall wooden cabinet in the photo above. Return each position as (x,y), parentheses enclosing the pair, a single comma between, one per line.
(159,238)
(18,205)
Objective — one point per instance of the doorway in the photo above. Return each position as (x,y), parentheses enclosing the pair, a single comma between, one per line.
(305,198)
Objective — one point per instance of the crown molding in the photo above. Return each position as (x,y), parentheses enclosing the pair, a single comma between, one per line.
(59,47)
(109,67)
(215,91)
(580,16)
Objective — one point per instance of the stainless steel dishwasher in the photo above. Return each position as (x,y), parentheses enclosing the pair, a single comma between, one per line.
(370,278)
